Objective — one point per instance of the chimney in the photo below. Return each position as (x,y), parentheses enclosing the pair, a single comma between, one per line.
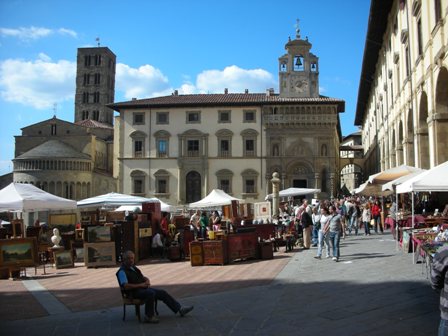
(226,91)
(176,93)
(134,99)
(269,92)
(246,91)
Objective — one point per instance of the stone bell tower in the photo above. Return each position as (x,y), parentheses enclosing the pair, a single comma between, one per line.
(299,69)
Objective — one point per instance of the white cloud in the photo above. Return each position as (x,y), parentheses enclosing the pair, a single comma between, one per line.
(39,83)
(65,31)
(235,79)
(147,81)
(34,33)
(143,82)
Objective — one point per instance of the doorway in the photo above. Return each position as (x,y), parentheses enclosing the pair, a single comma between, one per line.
(193,187)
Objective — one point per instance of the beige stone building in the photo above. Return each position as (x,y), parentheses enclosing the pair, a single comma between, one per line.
(179,147)
(74,160)
(403,94)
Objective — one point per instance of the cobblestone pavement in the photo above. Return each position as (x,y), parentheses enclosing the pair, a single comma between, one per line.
(375,289)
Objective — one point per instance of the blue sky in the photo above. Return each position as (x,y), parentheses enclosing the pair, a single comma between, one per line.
(194,46)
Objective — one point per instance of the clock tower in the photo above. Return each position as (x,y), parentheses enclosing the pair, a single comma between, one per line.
(299,69)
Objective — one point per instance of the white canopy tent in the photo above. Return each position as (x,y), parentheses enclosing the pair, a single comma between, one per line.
(165,207)
(391,174)
(391,185)
(432,180)
(374,184)
(291,192)
(113,200)
(21,197)
(215,198)
(435,180)
(371,189)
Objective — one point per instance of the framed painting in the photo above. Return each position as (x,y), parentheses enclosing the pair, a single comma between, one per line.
(63,259)
(99,254)
(79,254)
(19,252)
(79,234)
(98,234)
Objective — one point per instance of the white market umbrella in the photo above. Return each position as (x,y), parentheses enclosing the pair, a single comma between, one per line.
(291,192)
(28,198)
(165,207)
(215,198)
(391,174)
(113,199)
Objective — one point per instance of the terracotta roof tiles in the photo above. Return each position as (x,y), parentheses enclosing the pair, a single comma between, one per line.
(226,99)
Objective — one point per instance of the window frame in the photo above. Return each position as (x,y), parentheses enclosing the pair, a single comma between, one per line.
(159,114)
(135,116)
(192,113)
(246,112)
(222,113)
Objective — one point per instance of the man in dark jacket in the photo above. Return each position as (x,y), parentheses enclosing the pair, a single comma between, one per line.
(439,281)
(132,280)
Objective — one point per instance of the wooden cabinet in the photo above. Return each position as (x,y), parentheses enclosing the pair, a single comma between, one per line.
(215,252)
(196,253)
(242,246)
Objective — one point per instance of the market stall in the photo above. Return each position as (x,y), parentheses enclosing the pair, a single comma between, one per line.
(20,251)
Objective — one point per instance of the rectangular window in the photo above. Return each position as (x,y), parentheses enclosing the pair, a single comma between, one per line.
(224,184)
(87,60)
(97,78)
(193,148)
(162,118)
(97,59)
(249,147)
(249,116)
(139,118)
(437,10)
(96,97)
(408,63)
(162,148)
(85,115)
(224,149)
(96,115)
(249,186)
(224,116)
(419,37)
(85,97)
(138,148)
(138,186)
(193,117)
(86,79)
(162,186)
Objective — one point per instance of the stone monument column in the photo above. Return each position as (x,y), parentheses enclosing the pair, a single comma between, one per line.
(316,184)
(275,194)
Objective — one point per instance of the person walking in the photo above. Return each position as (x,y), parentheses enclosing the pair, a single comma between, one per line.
(366,217)
(354,214)
(335,228)
(316,225)
(323,236)
(439,281)
(376,215)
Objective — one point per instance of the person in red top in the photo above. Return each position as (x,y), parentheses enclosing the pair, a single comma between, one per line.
(376,215)
(164,223)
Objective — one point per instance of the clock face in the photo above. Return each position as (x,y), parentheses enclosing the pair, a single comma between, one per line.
(299,84)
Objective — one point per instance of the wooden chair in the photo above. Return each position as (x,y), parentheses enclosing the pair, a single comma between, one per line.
(128,300)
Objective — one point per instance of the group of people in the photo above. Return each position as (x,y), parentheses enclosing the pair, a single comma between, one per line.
(324,223)
(201,223)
